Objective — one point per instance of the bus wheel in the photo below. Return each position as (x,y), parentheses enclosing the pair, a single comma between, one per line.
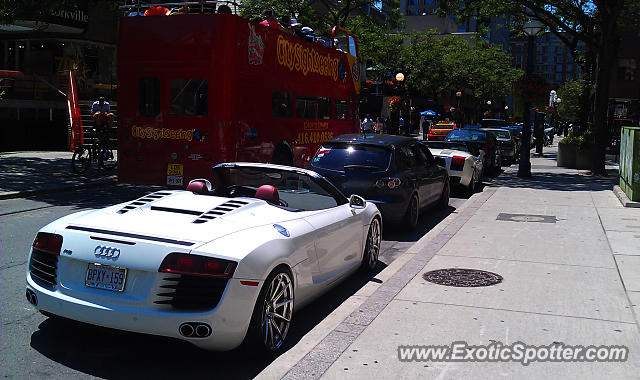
(282,155)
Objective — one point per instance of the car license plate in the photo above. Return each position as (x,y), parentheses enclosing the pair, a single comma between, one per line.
(174,174)
(105,277)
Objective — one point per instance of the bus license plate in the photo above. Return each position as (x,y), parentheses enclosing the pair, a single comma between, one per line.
(105,277)
(174,174)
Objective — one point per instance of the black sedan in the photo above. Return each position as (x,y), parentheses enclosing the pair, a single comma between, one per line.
(479,139)
(396,173)
(507,143)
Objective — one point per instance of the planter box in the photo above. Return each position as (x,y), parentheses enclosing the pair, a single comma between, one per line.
(567,155)
(583,159)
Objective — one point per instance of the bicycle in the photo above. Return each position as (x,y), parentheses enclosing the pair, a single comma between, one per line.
(84,155)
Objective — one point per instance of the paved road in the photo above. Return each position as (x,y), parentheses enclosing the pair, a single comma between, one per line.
(33,346)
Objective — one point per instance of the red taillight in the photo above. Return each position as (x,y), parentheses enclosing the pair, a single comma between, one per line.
(486,149)
(389,182)
(184,263)
(47,242)
(457,163)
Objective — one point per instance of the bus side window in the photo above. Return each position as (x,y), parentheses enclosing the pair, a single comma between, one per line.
(189,97)
(305,107)
(149,100)
(324,108)
(341,109)
(352,47)
(281,104)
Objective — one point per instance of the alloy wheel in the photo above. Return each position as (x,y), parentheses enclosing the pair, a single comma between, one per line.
(277,311)
(373,243)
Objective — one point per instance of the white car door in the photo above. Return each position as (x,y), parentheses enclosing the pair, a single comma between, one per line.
(339,237)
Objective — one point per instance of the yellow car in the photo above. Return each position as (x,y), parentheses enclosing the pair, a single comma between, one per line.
(440,130)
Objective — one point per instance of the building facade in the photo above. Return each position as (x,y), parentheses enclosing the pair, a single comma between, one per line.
(34,51)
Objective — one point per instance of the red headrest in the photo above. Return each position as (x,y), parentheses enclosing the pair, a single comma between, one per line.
(198,187)
(268,193)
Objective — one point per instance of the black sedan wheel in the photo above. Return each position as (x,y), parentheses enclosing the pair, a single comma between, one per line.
(413,212)
(444,197)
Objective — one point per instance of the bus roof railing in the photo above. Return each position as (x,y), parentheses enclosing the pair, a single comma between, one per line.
(138,5)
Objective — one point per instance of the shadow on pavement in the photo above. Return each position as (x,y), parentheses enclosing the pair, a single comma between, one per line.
(109,353)
(560,181)
(98,196)
(32,173)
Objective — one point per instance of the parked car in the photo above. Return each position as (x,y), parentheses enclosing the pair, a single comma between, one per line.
(463,167)
(214,267)
(506,143)
(477,140)
(396,173)
(440,130)
(493,123)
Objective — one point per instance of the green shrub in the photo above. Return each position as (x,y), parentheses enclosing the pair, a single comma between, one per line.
(582,142)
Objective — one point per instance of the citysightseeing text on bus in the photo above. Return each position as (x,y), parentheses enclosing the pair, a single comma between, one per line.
(304,59)
(161,133)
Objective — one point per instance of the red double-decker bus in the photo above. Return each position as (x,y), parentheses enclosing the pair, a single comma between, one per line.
(198,89)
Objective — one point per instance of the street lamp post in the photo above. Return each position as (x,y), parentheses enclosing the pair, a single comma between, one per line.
(557,102)
(396,121)
(531,30)
(489,108)
(458,97)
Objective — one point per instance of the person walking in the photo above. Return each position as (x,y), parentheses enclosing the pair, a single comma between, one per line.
(378,127)
(367,124)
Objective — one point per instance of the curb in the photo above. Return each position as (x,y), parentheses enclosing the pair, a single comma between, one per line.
(23,193)
(624,200)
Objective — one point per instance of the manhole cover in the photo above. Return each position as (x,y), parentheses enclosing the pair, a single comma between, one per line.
(462,277)
(527,218)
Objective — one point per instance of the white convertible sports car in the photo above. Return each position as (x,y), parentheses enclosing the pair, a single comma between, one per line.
(463,166)
(214,267)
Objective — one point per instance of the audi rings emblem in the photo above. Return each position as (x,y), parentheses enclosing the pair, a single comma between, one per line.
(109,252)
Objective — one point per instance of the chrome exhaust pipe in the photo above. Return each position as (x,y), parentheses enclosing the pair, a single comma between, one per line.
(187,330)
(32,297)
(203,330)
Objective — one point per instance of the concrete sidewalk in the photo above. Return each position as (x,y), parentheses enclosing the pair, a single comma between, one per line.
(570,274)
(31,173)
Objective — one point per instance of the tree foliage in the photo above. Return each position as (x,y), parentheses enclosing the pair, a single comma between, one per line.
(433,64)
(596,23)
(571,93)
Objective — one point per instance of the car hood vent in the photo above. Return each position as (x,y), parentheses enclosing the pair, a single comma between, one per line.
(143,201)
(220,210)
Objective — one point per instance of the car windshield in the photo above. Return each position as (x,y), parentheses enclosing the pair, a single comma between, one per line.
(443,126)
(297,191)
(345,156)
(446,145)
(466,135)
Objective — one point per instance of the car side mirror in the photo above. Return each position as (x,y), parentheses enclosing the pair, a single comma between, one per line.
(357,202)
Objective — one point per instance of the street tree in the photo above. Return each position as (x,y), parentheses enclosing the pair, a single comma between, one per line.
(596,23)
(571,93)
(379,45)
(433,64)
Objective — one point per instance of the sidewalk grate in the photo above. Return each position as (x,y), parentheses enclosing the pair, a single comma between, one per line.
(527,218)
(462,277)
